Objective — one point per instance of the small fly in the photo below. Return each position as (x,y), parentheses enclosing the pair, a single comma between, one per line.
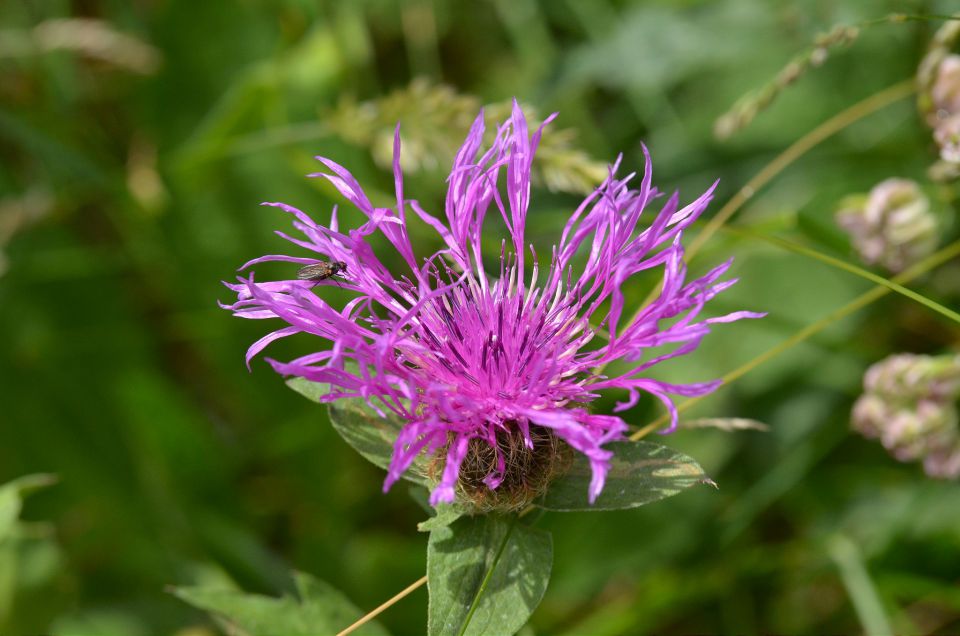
(322,271)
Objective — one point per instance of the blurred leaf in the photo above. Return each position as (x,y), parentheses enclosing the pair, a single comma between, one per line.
(486,575)
(320,609)
(307,70)
(11,499)
(16,539)
(362,428)
(665,45)
(101,622)
(640,473)
(859,586)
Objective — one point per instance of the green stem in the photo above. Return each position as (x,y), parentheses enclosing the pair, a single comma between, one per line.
(486,579)
(853,269)
(860,587)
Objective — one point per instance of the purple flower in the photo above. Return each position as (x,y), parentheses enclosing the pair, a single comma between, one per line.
(465,353)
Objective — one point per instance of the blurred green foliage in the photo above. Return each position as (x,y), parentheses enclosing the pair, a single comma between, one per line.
(135,150)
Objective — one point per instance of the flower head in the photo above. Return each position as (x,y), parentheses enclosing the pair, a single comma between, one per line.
(910,404)
(892,226)
(471,349)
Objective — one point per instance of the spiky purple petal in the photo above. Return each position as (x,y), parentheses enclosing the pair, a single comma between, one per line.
(462,353)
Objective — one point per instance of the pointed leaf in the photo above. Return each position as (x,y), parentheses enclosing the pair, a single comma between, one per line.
(321,609)
(445,515)
(486,575)
(640,473)
(362,428)
(313,391)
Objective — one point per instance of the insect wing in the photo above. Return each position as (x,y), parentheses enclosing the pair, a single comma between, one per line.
(317,271)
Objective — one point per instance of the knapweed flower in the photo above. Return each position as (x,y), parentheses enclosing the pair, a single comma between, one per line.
(892,226)
(910,404)
(488,358)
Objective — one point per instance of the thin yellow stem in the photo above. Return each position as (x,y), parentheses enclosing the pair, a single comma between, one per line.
(370,616)
(796,150)
(878,292)
(809,252)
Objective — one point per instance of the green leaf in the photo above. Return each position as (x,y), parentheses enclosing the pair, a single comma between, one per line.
(313,391)
(640,473)
(485,574)
(11,499)
(362,428)
(320,609)
(16,537)
(444,516)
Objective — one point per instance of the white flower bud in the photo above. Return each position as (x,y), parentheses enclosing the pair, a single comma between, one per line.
(945,92)
(943,463)
(892,226)
(909,404)
(947,136)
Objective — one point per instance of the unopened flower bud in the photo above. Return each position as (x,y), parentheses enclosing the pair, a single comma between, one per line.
(907,377)
(945,92)
(938,75)
(947,136)
(912,433)
(909,404)
(943,463)
(892,226)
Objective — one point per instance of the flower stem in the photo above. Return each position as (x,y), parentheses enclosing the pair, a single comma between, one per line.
(867,298)
(369,616)
(487,577)
(796,150)
(860,588)
(853,269)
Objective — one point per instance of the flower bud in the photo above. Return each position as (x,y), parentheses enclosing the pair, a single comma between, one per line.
(943,463)
(938,75)
(913,433)
(892,226)
(906,376)
(947,136)
(909,404)
(945,92)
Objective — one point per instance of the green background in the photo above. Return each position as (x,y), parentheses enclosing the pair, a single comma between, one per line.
(127,195)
